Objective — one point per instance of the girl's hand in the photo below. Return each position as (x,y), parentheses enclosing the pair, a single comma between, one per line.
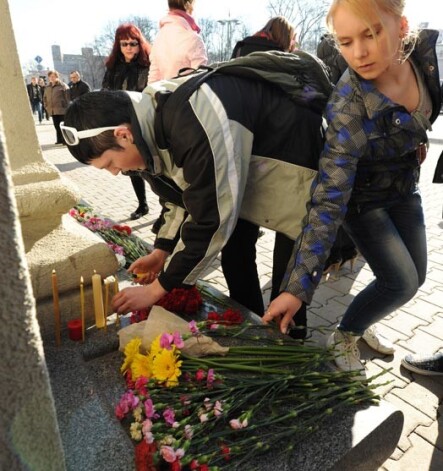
(282,309)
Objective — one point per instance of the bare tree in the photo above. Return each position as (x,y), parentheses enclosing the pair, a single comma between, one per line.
(307,16)
(220,37)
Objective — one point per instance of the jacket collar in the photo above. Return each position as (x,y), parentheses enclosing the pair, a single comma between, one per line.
(142,127)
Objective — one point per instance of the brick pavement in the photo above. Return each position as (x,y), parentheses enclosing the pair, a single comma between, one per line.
(417,327)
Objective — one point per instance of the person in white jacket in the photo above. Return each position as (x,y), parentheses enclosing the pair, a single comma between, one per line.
(178,43)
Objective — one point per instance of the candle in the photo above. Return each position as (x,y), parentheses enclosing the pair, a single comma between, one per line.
(75,329)
(106,301)
(97,294)
(82,308)
(56,308)
(116,289)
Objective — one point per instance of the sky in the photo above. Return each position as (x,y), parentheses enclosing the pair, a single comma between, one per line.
(38,24)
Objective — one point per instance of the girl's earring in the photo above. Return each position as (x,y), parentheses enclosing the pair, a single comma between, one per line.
(405,49)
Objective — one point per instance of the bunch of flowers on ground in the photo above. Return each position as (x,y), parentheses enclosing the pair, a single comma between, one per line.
(179,300)
(118,237)
(187,413)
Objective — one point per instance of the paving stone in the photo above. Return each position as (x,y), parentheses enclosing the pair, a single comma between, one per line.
(413,418)
(324,294)
(319,322)
(433,433)
(436,297)
(331,312)
(386,382)
(436,275)
(422,342)
(390,331)
(402,322)
(344,285)
(421,456)
(419,397)
(422,308)
(393,362)
(435,329)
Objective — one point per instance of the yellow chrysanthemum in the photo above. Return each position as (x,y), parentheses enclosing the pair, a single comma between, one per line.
(166,367)
(132,348)
(141,366)
(155,346)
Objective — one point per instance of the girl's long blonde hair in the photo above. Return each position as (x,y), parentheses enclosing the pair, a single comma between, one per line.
(364,9)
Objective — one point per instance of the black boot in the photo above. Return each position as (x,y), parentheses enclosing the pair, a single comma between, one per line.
(140,211)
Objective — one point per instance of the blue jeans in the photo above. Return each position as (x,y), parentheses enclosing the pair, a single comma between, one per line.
(37,106)
(393,242)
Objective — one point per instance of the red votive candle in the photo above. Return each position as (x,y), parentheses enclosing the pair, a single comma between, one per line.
(75,329)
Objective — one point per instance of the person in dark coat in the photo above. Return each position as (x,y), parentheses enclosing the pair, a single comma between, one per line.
(35,97)
(77,86)
(328,52)
(277,35)
(41,82)
(127,68)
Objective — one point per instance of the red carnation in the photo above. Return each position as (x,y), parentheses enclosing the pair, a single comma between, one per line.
(232,316)
(144,456)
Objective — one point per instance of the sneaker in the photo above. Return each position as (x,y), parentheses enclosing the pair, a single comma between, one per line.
(428,365)
(346,352)
(139,212)
(377,342)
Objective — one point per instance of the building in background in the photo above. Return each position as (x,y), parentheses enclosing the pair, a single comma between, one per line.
(90,66)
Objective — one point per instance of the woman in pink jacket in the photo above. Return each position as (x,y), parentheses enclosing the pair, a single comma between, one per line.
(177,44)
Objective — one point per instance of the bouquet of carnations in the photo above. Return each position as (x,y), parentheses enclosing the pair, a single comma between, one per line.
(191,413)
(119,238)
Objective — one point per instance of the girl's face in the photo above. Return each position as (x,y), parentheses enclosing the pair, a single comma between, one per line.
(368,55)
(129,48)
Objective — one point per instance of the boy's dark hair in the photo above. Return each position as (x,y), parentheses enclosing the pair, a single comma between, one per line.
(96,110)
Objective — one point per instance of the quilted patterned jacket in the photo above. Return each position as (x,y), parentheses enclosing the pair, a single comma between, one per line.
(369,160)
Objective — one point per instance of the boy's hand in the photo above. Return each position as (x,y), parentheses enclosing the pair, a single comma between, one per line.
(146,269)
(137,298)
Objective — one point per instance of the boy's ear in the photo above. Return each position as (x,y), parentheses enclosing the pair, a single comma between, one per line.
(124,133)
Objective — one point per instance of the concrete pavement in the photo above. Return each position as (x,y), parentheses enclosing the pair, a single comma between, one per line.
(416,328)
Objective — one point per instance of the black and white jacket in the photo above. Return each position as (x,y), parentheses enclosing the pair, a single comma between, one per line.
(236,147)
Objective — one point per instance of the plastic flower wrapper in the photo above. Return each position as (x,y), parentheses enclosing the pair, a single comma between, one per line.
(160,321)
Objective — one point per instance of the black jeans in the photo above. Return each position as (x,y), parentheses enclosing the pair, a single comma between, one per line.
(239,267)
(240,270)
(57,119)
(140,191)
